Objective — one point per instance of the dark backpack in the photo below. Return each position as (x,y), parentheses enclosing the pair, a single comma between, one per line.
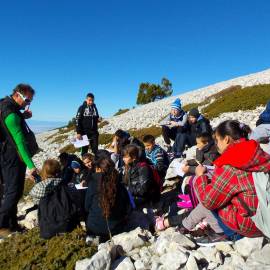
(156,177)
(57,213)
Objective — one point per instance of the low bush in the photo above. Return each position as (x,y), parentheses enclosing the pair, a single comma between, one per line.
(121,111)
(236,98)
(29,252)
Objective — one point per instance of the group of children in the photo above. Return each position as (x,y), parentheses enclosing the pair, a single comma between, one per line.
(129,177)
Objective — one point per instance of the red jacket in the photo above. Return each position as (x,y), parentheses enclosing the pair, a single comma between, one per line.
(232,179)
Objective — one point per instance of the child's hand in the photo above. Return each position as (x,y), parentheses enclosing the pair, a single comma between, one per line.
(185,168)
(83,183)
(200,170)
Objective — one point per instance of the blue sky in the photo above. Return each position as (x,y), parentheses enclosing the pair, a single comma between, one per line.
(65,49)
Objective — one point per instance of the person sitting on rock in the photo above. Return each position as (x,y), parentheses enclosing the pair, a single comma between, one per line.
(206,153)
(120,140)
(138,178)
(173,125)
(156,155)
(51,177)
(229,200)
(107,202)
(197,124)
(65,161)
(262,131)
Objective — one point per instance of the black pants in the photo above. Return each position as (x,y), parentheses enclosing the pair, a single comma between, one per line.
(181,140)
(93,141)
(170,133)
(13,174)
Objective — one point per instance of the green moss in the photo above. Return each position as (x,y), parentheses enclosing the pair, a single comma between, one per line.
(28,185)
(60,139)
(236,98)
(29,251)
(121,111)
(140,133)
(69,149)
(103,124)
(190,106)
(105,138)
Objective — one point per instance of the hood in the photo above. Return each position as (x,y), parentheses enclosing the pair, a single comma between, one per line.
(245,155)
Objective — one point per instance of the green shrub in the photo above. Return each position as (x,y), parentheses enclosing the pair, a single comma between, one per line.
(190,106)
(28,185)
(140,133)
(29,252)
(103,124)
(60,139)
(69,149)
(236,98)
(105,138)
(121,111)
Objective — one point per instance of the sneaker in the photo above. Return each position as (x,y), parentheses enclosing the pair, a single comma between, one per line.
(159,224)
(185,204)
(212,239)
(4,233)
(184,197)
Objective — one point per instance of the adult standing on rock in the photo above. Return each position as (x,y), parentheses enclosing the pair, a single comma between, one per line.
(87,119)
(17,146)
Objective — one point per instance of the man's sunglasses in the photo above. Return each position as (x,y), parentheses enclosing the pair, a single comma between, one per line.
(25,99)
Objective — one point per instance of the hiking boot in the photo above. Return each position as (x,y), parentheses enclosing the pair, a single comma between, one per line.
(212,239)
(4,233)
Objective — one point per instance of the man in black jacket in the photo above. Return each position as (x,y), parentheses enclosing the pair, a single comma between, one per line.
(87,123)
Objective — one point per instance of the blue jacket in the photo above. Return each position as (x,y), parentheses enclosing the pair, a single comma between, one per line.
(158,157)
(264,118)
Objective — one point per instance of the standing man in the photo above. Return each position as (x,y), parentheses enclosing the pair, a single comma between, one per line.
(16,152)
(87,123)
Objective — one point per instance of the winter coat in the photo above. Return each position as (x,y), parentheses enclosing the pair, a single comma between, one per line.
(232,179)
(264,118)
(139,181)
(205,156)
(87,119)
(159,158)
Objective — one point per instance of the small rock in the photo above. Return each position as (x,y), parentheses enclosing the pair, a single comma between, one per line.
(246,246)
(100,261)
(173,260)
(132,240)
(191,264)
(139,265)
(261,256)
(123,264)
(209,253)
(224,247)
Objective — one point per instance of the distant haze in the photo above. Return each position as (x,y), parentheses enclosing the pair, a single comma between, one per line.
(42,126)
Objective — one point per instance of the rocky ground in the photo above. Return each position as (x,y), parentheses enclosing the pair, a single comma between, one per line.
(168,250)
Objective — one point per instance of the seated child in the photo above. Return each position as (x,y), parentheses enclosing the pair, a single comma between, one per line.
(88,161)
(107,201)
(50,174)
(156,155)
(206,153)
(138,177)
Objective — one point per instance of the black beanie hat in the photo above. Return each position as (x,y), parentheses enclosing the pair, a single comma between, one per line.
(194,112)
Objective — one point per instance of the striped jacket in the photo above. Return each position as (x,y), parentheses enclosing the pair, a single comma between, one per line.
(232,179)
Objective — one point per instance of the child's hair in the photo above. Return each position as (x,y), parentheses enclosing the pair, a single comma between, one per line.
(88,156)
(234,129)
(108,185)
(149,139)
(205,137)
(63,157)
(90,95)
(132,151)
(51,168)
